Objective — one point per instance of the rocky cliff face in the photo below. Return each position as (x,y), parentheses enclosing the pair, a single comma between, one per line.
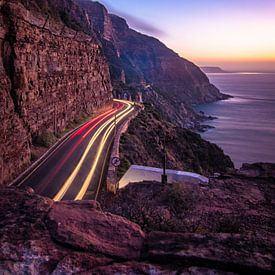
(139,60)
(50,75)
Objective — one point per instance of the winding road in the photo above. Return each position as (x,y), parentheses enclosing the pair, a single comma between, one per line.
(74,169)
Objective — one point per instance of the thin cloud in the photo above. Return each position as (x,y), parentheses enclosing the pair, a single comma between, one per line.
(135,22)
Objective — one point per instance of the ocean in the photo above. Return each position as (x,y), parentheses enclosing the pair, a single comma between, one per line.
(245,124)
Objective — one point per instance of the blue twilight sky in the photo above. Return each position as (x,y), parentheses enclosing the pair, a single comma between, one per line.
(234,34)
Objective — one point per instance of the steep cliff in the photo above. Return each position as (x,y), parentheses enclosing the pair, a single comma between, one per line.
(50,75)
(141,61)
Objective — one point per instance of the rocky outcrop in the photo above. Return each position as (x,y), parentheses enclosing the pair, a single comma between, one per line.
(50,75)
(261,170)
(145,59)
(39,236)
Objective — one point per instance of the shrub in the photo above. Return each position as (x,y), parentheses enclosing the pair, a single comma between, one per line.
(180,198)
(45,139)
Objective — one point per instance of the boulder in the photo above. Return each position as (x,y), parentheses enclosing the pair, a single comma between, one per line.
(39,236)
(83,227)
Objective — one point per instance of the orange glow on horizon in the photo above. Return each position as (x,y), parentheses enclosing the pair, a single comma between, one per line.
(238,38)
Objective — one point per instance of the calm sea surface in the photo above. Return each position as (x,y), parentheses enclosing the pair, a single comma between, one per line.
(245,128)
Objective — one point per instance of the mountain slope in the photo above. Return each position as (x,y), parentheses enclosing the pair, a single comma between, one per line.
(138,61)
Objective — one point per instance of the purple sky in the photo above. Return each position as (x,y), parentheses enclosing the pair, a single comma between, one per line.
(235,34)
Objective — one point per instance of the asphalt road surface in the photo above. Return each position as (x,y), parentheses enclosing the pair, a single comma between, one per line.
(73,171)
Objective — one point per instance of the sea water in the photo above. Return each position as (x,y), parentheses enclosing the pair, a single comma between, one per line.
(245,124)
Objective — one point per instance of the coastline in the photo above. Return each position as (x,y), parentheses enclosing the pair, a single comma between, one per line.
(243,119)
(201,127)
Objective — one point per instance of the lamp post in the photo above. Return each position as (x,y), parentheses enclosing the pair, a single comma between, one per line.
(164,176)
(162,143)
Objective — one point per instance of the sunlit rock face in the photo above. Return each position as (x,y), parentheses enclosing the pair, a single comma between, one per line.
(49,77)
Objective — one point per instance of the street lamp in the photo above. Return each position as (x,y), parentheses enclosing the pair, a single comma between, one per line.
(162,143)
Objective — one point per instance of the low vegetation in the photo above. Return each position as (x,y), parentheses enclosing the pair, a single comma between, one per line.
(154,206)
(234,204)
(45,139)
(185,149)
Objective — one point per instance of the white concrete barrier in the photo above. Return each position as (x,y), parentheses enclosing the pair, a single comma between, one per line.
(137,173)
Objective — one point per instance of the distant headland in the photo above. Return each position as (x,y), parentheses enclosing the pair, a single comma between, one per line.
(210,70)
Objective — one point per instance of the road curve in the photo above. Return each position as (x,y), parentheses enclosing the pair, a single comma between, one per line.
(73,171)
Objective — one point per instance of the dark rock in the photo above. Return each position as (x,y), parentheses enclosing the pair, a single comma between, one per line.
(25,244)
(263,170)
(133,268)
(27,247)
(80,263)
(230,252)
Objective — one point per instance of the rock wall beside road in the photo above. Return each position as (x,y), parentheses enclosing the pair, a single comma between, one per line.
(50,75)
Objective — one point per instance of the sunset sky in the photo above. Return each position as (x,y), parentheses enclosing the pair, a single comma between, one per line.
(233,34)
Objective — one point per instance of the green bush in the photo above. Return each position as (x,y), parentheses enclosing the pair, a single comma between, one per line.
(45,139)
(180,198)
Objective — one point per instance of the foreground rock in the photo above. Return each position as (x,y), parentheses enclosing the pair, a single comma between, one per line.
(39,236)
(260,170)
(82,226)
(231,252)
